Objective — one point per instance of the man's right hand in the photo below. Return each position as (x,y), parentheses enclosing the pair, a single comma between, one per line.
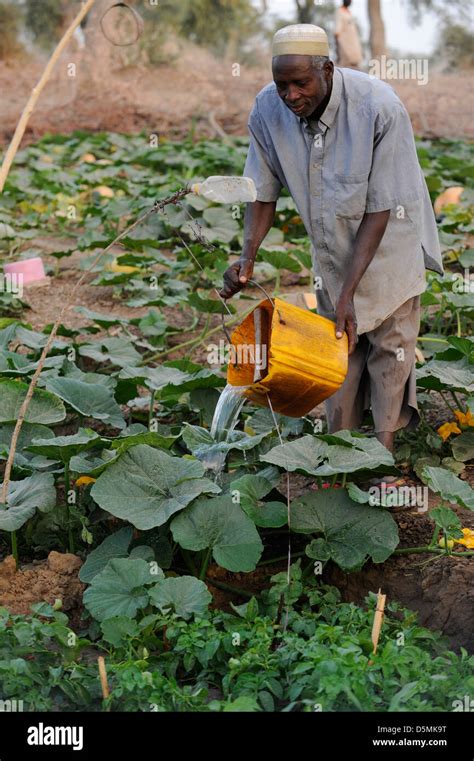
(237,276)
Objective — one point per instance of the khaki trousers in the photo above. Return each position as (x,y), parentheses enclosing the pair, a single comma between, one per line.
(381,373)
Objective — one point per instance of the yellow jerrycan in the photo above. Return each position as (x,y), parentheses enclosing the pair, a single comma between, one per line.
(288,354)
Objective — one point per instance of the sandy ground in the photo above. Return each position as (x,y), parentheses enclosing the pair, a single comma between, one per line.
(195,91)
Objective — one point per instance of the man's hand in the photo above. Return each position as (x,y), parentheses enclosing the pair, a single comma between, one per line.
(346,321)
(237,276)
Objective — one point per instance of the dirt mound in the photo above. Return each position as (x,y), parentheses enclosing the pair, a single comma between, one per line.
(57,577)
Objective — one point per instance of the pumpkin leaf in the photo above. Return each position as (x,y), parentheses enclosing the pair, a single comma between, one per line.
(44,408)
(97,402)
(184,595)
(24,497)
(250,489)
(119,590)
(114,546)
(64,447)
(352,533)
(146,486)
(222,525)
(449,486)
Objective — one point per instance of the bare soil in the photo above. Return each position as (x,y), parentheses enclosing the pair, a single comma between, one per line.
(56,578)
(192,92)
(439,588)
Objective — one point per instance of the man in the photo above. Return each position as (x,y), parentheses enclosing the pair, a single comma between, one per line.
(341,142)
(349,51)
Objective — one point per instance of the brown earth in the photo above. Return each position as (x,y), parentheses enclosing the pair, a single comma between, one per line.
(193,92)
(56,578)
(440,588)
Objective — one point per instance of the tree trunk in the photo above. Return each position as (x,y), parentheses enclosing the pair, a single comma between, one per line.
(305,11)
(377,29)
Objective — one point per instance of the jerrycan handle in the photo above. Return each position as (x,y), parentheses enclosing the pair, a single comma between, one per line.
(257,285)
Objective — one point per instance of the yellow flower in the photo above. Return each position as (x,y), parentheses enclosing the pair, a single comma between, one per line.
(468,538)
(84,480)
(447,429)
(464,418)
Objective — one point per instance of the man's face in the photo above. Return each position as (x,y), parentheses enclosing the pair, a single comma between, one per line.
(301,87)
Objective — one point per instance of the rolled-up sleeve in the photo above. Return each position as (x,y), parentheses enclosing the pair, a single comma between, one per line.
(395,174)
(258,164)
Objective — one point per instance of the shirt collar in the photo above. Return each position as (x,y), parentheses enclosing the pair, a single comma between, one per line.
(330,111)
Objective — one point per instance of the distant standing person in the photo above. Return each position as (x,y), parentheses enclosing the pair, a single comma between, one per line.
(349,51)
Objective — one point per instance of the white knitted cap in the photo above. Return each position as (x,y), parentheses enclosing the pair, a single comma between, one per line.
(300,39)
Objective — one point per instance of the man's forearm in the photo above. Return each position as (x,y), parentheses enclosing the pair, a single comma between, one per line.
(369,235)
(259,217)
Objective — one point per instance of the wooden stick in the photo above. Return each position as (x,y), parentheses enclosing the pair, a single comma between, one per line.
(378,620)
(36,92)
(103,677)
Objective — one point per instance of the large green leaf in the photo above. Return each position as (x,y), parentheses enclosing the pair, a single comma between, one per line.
(440,374)
(330,454)
(304,454)
(28,432)
(146,486)
(449,486)
(119,590)
(24,497)
(184,595)
(222,525)
(44,407)
(64,447)
(200,442)
(114,546)
(351,532)
(95,401)
(221,225)
(463,446)
(249,490)
(117,351)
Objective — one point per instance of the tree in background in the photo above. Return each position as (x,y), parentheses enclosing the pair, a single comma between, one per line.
(45,20)
(316,12)
(455,47)
(377,29)
(446,11)
(10,20)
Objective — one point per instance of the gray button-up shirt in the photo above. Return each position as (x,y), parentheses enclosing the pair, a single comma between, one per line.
(359,157)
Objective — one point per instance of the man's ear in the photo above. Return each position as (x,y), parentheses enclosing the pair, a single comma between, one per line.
(328,70)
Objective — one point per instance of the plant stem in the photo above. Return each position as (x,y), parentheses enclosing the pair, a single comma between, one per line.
(228,588)
(188,559)
(281,558)
(344,479)
(458,403)
(14,542)
(432,550)
(67,487)
(205,563)
(152,408)
(277,283)
(451,409)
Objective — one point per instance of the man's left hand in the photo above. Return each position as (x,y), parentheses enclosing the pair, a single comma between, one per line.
(346,321)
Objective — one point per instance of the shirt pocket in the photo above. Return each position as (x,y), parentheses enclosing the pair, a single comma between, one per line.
(351,195)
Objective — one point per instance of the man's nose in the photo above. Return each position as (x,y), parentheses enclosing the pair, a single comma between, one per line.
(292,95)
